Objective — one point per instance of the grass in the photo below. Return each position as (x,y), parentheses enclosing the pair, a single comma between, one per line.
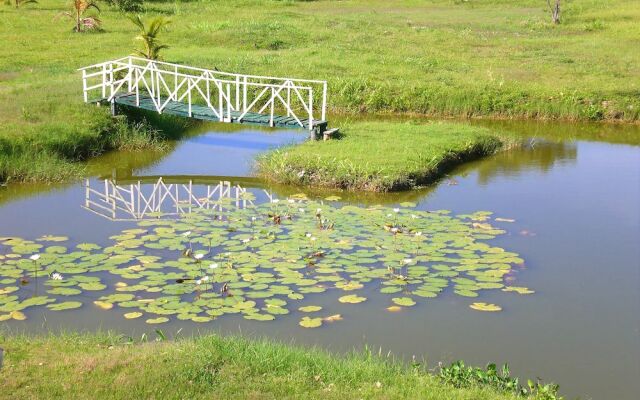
(380,156)
(100,366)
(495,58)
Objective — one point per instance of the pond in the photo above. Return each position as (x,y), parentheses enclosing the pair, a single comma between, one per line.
(529,257)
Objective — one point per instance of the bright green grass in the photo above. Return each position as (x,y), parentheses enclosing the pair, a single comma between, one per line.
(206,367)
(380,156)
(499,58)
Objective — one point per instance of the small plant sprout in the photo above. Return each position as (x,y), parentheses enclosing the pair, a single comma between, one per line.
(77,14)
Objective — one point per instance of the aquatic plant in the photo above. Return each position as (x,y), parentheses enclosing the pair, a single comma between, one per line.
(226,260)
(460,375)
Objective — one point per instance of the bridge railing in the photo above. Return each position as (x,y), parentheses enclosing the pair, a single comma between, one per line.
(140,200)
(229,96)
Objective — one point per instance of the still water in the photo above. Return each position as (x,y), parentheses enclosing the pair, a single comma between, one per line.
(573,191)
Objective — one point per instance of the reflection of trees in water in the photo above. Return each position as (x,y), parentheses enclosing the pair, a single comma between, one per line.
(539,156)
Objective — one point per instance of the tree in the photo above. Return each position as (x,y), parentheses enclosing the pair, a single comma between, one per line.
(149,36)
(19,3)
(555,11)
(80,7)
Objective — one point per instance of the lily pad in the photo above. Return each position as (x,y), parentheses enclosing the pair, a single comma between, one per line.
(67,305)
(307,322)
(485,307)
(310,309)
(404,301)
(352,299)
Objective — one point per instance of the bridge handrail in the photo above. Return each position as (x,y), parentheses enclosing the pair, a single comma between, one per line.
(192,75)
(124,60)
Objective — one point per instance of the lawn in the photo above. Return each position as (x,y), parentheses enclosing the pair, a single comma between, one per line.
(84,366)
(381,156)
(498,58)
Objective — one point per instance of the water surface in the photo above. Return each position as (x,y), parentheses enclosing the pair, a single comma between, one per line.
(577,226)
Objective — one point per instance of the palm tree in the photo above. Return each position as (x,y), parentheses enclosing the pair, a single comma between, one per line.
(149,36)
(80,7)
(19,3)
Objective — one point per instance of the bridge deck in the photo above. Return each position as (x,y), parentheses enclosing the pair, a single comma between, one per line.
(204,113)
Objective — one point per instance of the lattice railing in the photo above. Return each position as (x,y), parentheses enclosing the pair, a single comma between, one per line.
(228,96)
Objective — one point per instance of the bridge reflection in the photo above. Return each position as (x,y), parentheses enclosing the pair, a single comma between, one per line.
(136,198)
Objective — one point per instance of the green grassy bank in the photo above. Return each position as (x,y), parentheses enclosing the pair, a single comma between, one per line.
(211,367)
(495,58)
(381,156)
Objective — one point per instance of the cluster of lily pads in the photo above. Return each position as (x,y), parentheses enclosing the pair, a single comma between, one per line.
(259,261)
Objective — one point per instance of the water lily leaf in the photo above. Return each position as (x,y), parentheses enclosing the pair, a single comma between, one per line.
(394,308)
(259,317)
(67,305)
(103,304)
(159,320)
(92,286)
(133,315)
(352,299)
(404,301)
(518,289)
(64,291)
(485,307)
(333,318)
(309,309)
(307,322)
(18,315)
(52,238)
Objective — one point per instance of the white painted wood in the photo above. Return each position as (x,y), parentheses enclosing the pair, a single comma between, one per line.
(165,82)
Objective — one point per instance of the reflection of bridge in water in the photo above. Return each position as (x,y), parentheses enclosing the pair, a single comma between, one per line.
(135,198)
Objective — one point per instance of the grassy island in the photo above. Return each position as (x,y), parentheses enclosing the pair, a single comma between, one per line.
(381,156)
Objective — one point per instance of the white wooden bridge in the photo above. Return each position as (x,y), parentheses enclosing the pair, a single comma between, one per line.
(207,94)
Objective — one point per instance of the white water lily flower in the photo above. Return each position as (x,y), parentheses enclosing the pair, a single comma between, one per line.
(56,276)
(198,256)
(198,282)
(213,266)
(205,278)
(291,201)
(313,238)
(253,218)
(318,211)
(414,216)
(396,210)
(308,235)
(35,257)
(301,174)
(408,261)
(187,233)
(418,233)
(246,240)
(275,200)
(301,210)
(394,230)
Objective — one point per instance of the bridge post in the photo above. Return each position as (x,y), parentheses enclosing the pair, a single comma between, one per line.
(324,101)
(237,92)
(310,109)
